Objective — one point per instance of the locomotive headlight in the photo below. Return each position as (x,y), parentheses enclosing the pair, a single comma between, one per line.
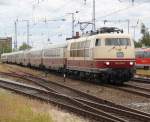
(131,63)
(107,63)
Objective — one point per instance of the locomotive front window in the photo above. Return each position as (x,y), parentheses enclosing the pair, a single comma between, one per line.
(111,41)
(117,41)
(124,41)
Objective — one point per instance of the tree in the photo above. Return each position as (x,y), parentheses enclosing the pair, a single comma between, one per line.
(138,44)
(143,29)
(24,46)
(145,35)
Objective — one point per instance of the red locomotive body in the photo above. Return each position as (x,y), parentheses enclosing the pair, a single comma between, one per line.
(143,58)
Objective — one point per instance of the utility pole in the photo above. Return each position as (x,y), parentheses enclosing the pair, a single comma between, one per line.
(132,2)
(128,25)
(93,16)
(15,41)
(134,27)
(28,31)
(73,21)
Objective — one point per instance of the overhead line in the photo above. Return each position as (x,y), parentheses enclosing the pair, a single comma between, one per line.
(114,12)
(117,11)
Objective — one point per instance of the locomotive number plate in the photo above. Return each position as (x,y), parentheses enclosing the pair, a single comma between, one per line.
(120,54)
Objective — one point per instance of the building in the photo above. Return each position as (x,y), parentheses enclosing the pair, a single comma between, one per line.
(5,44)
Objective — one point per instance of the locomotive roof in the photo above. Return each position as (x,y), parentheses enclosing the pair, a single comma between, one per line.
(61,45)
(104,35)
(11,53)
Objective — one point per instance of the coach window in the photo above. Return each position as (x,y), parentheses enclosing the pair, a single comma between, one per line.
(74,53)
(78,45)
(87,43)
(82,44)
(98,42)
(86,53)
(73,45)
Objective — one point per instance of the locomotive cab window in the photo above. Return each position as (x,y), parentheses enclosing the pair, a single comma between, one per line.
(117,41)
(98,42)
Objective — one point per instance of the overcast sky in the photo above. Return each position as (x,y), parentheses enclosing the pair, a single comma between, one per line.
(57,31)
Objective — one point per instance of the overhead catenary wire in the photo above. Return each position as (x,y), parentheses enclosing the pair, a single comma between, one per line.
(121,10)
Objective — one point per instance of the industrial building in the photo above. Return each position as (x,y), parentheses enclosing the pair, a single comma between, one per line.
(5,44)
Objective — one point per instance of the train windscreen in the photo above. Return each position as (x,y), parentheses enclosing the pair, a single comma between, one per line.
(117,41)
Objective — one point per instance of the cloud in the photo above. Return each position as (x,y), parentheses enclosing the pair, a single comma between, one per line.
(10,10)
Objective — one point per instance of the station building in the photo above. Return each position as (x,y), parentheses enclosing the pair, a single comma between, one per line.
(5,44)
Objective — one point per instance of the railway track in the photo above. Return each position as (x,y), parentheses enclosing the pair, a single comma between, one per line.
(116,112)
(127,87)
(132,88)
(60,100)
(141,80)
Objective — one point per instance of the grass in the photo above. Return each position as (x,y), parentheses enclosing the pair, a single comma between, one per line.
(143,72)
(14,108)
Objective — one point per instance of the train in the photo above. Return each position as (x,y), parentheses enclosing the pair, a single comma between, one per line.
(106,55)
(142,58)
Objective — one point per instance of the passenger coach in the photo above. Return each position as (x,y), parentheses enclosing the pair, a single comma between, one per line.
(54,57)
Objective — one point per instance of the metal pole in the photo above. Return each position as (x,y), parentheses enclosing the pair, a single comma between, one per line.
(28,32)
(93,17)
(134,32)
(128,26)
(134,27)
(73,24)
(15,43)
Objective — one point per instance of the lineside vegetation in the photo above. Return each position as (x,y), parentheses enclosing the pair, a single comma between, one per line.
(14,108)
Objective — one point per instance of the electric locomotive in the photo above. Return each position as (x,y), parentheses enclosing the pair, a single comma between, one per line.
(105,55)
